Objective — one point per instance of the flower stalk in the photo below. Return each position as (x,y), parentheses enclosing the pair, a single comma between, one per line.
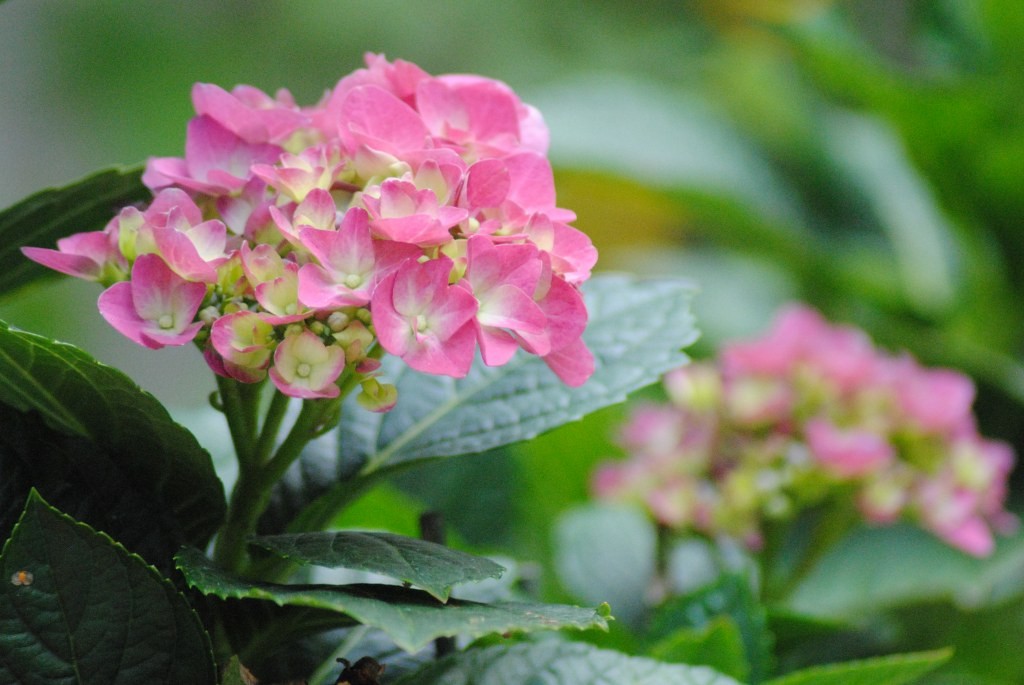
(260,466)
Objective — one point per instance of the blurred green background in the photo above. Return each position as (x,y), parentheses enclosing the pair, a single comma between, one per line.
(865,156)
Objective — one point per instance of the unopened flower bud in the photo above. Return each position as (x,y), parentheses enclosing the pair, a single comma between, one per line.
(337,321)
(356,340)
(209,314)
(376,396)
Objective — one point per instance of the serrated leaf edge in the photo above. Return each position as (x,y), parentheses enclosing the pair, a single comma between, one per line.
(260,541)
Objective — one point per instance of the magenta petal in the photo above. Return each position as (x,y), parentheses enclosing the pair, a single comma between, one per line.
(566,315)
(317,210)
(154,338)
(532,181)
(255,124)
(971,535)
(163,171)
(425,321)
(393,328)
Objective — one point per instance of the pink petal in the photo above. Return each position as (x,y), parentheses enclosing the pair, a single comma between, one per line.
(487,183)
(847,453)
(181,255)
(573,364)
(373,116)
(215,154)
(419,317)
(256,119)
(156,307)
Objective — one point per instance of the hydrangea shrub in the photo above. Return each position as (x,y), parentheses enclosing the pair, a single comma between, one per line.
(813,413)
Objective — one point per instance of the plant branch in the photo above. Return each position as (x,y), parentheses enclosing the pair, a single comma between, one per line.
(240,418)
(271,426)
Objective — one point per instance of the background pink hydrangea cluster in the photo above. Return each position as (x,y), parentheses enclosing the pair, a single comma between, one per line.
(413,211)
(813,413)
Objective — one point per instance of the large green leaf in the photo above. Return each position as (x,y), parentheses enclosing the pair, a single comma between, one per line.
(555,662)
(410,617)
(85,482)
(861,575)
(48,215)
(76,607)
(428,565)
(636,331)
(888,670)
(606,553)
(107,430)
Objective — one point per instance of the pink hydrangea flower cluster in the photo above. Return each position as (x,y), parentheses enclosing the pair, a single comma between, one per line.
(813,413)
(405,210)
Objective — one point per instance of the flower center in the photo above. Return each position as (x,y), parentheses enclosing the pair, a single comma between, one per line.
(303,370)
(165,322)
(353,280)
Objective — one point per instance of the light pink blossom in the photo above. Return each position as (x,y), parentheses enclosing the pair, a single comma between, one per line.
(305,367)
(245,341)
(349,263)
(419,317)
(249,113)
(216,161)
(93,256)
(406,214)
(156,308)
(847,453)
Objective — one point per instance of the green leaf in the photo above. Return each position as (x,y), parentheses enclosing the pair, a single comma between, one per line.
(606,553)
(861,575)
(636,331)
(109,428)
(872,158)
(83,481)
(731,596)
(887,670)
(718,644)
(410,617)
(684,141)
(41,219)
(427,565)
(76,607)
(791,629)
(555,662)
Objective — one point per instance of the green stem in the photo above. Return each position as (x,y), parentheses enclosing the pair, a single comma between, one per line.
(308,425)
(255,480)
(828,525)
(271,426)
(239,417)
